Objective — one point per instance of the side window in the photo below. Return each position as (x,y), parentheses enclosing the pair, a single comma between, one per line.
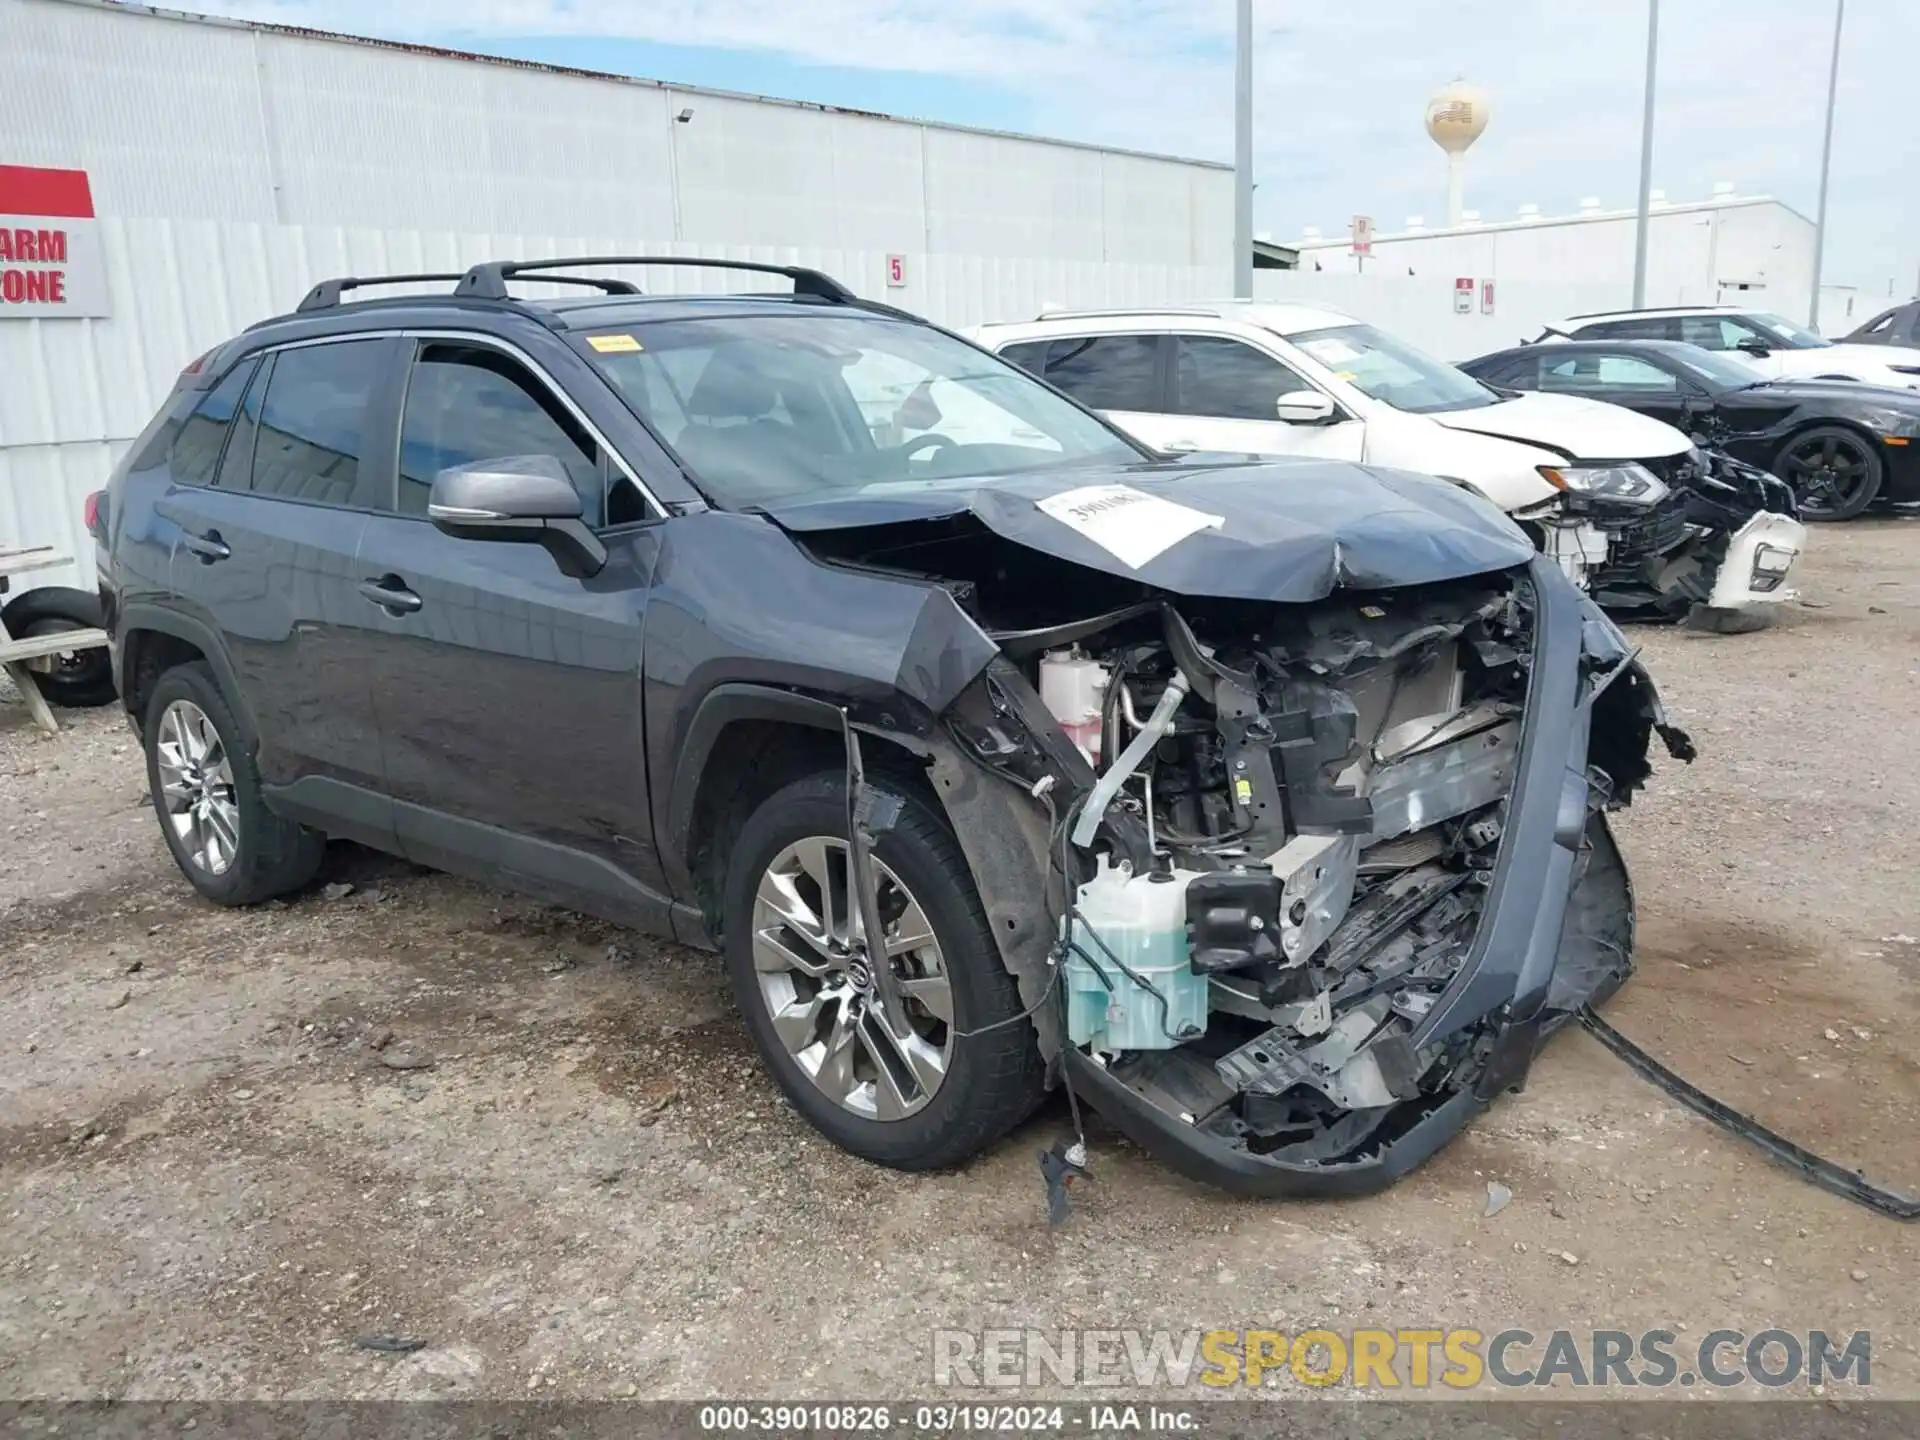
(1881,326)
(313,419)
(1630,372)
(1576,372)
(1522,373)
(1716,332)
(1029,355)
(236,466)
(468,403)
(1645,327)
(1107,372)
(195,453)
(1228,380)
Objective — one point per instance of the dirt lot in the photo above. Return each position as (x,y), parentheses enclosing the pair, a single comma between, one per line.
(213,1178)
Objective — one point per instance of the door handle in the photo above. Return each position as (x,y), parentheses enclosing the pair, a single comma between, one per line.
(391,594)
(208,547)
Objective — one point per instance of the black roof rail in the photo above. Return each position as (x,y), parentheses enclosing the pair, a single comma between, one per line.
(488,281)
(327,293)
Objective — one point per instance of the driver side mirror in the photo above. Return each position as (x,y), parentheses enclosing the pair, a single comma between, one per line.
(1755,346)
(522,498)
(1304,407)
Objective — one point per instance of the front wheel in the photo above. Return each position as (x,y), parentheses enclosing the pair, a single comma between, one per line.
(928,1085)
(1835,472)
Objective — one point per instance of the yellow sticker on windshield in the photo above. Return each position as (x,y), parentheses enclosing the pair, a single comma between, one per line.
(614,344)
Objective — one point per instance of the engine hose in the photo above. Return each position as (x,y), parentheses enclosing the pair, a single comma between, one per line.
(1129,761)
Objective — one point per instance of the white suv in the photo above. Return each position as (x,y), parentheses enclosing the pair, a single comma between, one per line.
(1604,490)
(1778,349)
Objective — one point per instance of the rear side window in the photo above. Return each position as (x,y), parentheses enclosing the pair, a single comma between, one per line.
(313,420)
(1029,355)
(1107,372)
(1227,380)
(468,403)
(195,453)
(236,466)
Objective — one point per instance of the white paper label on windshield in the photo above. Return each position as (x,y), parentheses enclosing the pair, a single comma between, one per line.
(1129,524)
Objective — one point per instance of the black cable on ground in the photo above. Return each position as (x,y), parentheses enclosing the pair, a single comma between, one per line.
(1848,1184)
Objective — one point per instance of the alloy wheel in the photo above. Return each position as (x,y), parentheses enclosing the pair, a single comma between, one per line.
(1828,471)
(817,981)
(196,787)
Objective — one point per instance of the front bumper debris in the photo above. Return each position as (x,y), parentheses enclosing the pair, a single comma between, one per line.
(1761,556)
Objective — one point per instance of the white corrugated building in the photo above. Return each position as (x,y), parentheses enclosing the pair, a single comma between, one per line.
(1728,249)
(230,165)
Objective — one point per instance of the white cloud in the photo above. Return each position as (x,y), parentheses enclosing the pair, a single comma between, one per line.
(1341,89)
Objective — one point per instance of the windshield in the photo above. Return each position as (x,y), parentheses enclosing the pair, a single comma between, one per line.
(1726,371)
(771,408)
(1790,335)
(1392,372)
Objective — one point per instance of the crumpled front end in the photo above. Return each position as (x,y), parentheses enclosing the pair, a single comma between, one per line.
(1291,886)
(1388,921)
(1727,538)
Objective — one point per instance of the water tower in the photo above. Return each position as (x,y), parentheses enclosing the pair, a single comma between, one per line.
(1456,116)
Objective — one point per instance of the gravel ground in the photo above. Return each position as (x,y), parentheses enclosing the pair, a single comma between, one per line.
(217,1167)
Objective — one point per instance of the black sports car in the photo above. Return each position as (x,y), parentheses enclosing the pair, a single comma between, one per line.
(1841,445)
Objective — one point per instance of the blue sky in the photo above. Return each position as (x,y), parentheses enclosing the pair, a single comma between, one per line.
(1340,88)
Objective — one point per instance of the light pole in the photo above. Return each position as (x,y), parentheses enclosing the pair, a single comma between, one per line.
(1243,154)
(1646,160)
(1826,159)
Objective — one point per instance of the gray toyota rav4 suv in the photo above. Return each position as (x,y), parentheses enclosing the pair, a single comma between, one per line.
(1261,803)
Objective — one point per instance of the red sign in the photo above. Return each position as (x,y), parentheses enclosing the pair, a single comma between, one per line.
(1463,295)
(896,271)
(1486,297)
(1363,234)
(50,260)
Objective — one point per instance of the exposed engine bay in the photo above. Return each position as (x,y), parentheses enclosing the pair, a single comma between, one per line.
(1291,840)
(1291,887)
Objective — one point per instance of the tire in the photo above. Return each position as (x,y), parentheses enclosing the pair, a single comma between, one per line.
(1835,472)
(993,1078)
(81,680)
(264,855)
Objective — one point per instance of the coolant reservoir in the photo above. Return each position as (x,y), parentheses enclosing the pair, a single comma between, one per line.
(1142,919)
(1074,690)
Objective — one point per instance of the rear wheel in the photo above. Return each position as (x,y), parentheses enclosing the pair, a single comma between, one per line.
(206,791)
(1835,472)
(928,1086)
(74,679)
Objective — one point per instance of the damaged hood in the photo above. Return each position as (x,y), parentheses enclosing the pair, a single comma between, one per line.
(1284,530)
(1576,428)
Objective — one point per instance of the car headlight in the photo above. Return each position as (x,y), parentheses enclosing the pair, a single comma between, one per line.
(1623,483)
